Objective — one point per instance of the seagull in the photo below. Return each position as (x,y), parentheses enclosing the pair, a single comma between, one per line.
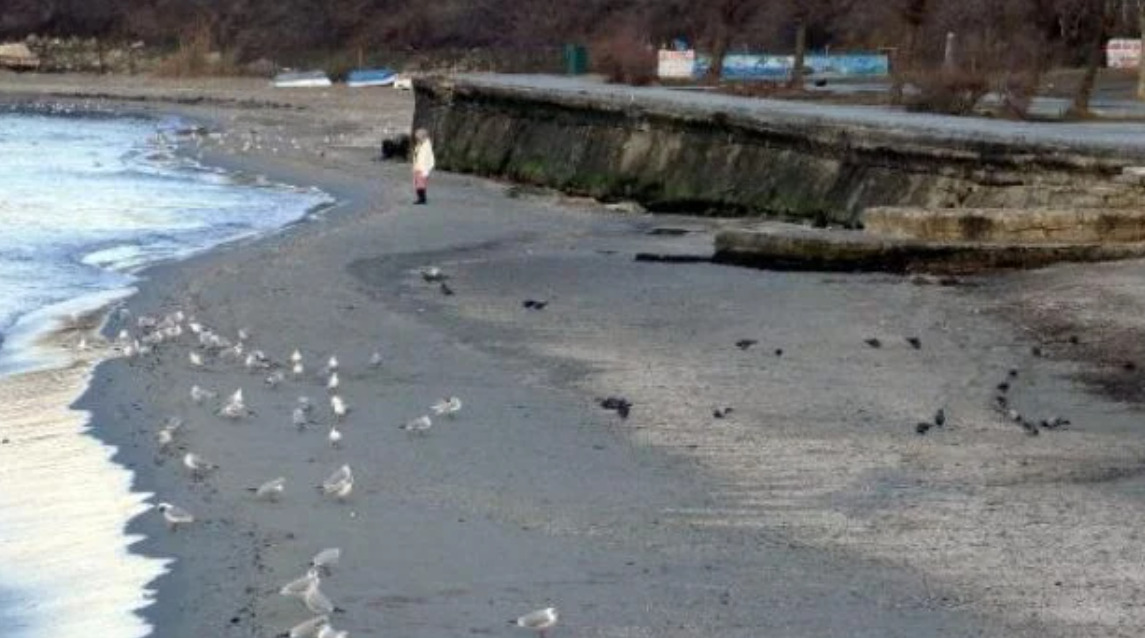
(175,516)
(376,359)
(244,334)
(297,369)
(332,364)
(332,383)
(275,378)
(447,406)
(309,628)
(82,345)
(316,601)
(298,586)
(326,559)
(326,631)
(234,408)
(198,465)
(166,434)
(199,395)
(433,274)
(270,490)
(296,356)
(299,418)
(335,437)
(420,424)
(338,406)
(539,621)
(339,484)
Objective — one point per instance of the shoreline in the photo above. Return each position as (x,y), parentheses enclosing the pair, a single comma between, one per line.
(815,510)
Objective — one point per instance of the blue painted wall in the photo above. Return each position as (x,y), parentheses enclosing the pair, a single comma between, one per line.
(751,66)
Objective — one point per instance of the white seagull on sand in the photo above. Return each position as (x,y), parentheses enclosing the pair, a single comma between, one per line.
(332,364)
(316,601)
(339,407)
(326,559)
(447,406)
(270,490)
(298,586)
(539,621)
(339,484)
(309,628)
(198,465)
(199,395)
(420,424)
(326,631)
(376,359)
(296,356)
(195,358)
(166,434)
(235,408)
(332,383)
(335,437)
(175,516)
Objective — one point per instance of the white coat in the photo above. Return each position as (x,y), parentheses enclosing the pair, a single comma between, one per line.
(423,160)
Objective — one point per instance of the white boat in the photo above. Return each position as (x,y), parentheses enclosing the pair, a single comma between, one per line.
(301,79)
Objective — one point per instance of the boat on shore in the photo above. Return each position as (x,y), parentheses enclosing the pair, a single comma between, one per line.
(370,77)
(301,79)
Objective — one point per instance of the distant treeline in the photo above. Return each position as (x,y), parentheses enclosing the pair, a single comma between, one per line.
(279,29)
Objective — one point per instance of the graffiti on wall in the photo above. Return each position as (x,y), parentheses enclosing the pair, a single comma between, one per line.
(752,66)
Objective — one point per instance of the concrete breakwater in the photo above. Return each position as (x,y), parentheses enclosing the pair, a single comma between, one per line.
(698,152)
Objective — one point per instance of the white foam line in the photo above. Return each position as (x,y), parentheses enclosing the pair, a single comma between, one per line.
(63,511)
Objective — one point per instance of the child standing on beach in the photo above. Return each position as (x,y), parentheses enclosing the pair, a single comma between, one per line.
(422,163)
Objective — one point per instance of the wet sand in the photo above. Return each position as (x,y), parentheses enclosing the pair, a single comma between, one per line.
(813,509)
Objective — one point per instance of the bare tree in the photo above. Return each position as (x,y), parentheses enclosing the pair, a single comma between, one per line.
(1141,59)
(1098,17)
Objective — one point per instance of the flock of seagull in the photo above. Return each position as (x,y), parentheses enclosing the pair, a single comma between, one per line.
(209,347)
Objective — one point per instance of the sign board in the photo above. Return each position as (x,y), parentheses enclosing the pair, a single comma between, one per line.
(676,64)
(1123,53)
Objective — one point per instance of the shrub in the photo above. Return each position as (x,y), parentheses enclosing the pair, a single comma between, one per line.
(621,55)
(195,56)
(951,92)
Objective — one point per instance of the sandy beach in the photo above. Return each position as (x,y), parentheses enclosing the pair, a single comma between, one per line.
(812,508)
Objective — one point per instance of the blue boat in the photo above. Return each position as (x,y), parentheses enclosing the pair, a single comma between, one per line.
(371,77)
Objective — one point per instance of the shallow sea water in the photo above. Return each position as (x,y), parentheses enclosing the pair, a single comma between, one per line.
(85,203)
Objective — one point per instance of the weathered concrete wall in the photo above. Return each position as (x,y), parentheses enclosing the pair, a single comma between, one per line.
(1030,225)
(703,158)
